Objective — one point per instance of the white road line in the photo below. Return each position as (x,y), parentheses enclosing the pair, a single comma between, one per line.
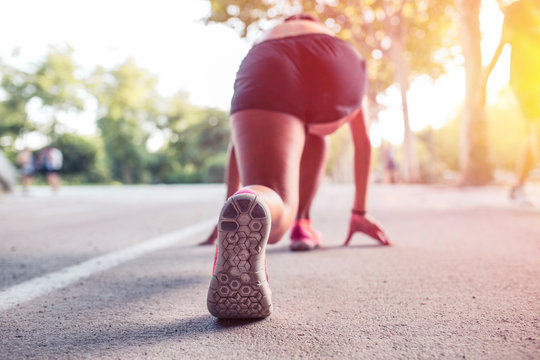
(42,285)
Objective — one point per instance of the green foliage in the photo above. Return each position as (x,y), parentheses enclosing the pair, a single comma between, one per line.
(206,135)
(195,133)
(17,91)
(79,153)
(127,104)
(198,142)
(213,169)
(82,158)
(161,165)
(129,110)
(53,82)
(182,175)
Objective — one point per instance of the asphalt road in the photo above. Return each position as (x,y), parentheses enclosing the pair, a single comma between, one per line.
(115,273)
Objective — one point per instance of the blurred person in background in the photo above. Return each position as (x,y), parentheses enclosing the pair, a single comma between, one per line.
(521,30)
(298,84)
(50,161)
(25,160)
(388,160)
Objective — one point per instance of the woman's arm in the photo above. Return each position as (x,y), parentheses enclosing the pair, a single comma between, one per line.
(360,221)
(362,158)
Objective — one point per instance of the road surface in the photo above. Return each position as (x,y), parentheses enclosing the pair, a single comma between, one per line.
(115,273)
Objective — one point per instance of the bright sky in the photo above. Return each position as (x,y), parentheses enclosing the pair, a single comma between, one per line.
(168,38)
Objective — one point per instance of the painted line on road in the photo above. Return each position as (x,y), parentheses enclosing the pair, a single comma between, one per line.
(42,285)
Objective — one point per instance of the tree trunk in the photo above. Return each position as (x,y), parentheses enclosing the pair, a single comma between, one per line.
(473,155)
(410,164)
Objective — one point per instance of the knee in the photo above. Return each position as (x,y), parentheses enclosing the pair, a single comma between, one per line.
(283,223)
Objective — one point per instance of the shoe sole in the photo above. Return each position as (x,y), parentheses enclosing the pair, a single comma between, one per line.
(239,287)
(302,246)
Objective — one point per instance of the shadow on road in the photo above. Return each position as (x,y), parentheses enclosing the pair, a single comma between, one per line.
(103,341)
(232,323)
(285,249)
(353,246)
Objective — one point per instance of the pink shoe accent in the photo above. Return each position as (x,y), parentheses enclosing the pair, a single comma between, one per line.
(215,259)
(303,237)
(245,191)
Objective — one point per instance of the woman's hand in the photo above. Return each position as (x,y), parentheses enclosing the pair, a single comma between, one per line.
(368,226)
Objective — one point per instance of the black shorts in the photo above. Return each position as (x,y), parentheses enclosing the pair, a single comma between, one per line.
(315,77)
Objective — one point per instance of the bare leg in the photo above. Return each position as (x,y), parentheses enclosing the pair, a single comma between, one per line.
(311,172)
(54,181)
(303,236)
(268,146)
(312,167)
(525,164)
(269,149)
(232,179)
(27,179)
(528,156)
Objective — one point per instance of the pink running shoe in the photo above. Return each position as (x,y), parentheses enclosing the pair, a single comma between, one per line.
(239,286)
(303,237)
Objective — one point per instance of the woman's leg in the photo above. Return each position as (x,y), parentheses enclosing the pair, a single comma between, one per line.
(312,167)
(303,236)
(525,163)
(311,171)
(268,147)
(54,181)
(232,180)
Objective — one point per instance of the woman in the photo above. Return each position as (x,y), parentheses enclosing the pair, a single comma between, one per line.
(297,84)
(521,30)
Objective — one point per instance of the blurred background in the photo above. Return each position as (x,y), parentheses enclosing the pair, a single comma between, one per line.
(138,92)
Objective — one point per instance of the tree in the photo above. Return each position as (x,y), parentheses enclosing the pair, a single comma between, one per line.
(56,85)
(473,157)
(81,157)
(207,136)
(17,91)
(198,140)
(127,105)
(402,36)
(53,82)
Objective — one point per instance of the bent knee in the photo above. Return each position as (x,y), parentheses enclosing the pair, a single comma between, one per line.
(281,225)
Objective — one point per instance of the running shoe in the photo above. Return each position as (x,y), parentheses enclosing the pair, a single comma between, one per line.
(303,237)
(239,287)
(518,195)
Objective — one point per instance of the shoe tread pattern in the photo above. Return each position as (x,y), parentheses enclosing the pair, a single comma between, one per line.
(239,288)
